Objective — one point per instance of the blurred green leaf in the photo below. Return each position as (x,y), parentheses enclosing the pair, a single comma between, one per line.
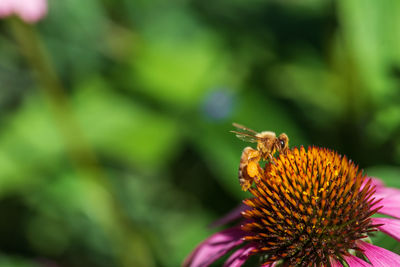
(371,33)
(10,261)
(173,220)
(125,129)
(385,241)
(80,40)
(178,60)
(385,124)
(319,92)
(29,145)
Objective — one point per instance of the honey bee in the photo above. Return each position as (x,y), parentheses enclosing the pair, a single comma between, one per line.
(267,145)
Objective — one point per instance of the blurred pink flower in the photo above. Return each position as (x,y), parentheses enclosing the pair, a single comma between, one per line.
(29,11)
(271,237)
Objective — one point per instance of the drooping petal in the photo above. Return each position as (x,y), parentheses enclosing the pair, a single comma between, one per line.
(390,227)
(379,256)
(234,214)
(353,261)
(390,206)
(214,247)
(239,256)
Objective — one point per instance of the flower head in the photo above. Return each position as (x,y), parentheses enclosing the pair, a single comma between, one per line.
(310,208)
(28,10)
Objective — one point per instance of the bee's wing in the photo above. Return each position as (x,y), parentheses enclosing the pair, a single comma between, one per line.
(246,137)
(244,128)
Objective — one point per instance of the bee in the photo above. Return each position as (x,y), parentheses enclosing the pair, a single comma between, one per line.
(267,145)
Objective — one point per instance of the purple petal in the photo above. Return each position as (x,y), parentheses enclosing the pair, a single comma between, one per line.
(390,206)
(231,216)
(239,256)
(214,247)
(379,256)
(390,227)
(353,261)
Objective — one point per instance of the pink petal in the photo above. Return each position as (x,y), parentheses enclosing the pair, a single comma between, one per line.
(390,227)
(30,10)
(375,181)
(353,261)
(6,8)
(391,206)
(386,192)
(239,256)
(214,247)
(379,256)
(335,263)
(234,214)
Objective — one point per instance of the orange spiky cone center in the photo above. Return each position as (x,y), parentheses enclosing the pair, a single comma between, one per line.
(309,207)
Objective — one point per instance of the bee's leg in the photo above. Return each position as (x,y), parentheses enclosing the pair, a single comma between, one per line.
(255,171)
(248,168)
(285,150)
(245,184)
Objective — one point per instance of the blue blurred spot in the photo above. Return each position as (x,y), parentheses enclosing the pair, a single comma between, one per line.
(218,104)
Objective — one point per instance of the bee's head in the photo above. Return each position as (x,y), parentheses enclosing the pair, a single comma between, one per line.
(283,141)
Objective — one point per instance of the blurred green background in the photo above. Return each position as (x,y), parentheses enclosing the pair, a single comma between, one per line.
(115,115)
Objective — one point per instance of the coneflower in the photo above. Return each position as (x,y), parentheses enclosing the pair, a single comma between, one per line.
(309,208)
